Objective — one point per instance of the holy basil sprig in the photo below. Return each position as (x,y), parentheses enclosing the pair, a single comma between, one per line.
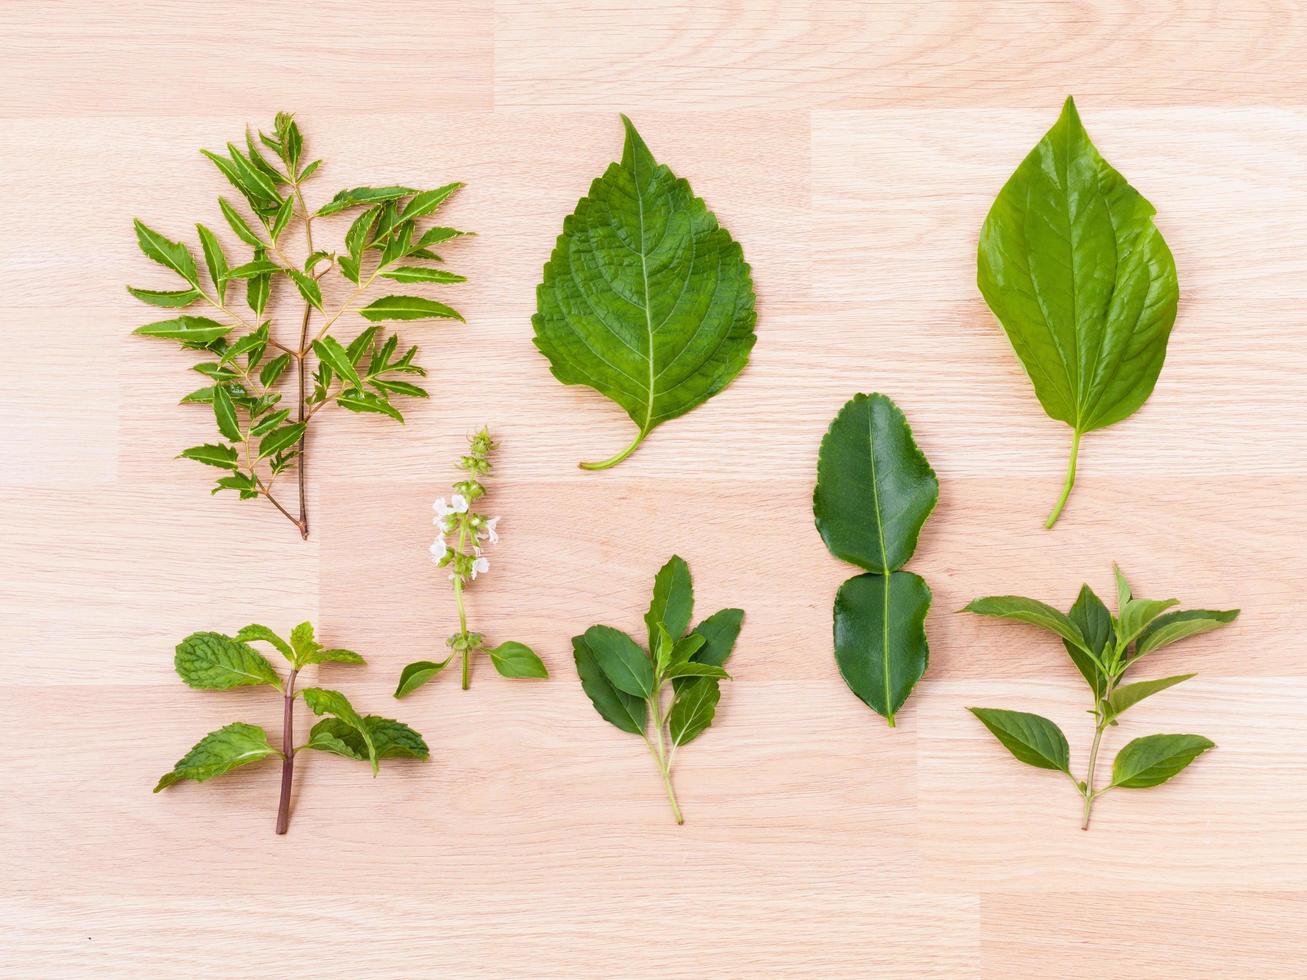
(646,298)
(248,360)
(628,684)
(215,662)
(462,532)
(1082,282)
(1103,647)
(874,491)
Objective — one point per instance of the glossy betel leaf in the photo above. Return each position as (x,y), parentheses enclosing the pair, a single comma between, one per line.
(1082,282)
(1033,739)
(880,638)
(874,487)
(214,662)
(220,752)
(874,491)
(1153,759)
(645,298)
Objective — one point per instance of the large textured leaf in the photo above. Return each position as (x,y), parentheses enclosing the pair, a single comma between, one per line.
(1033,739)
(1154,759)
(880,637)
(646,298)
(1082,282)
(874,487)
(214,662)
(220,752)
(626,711)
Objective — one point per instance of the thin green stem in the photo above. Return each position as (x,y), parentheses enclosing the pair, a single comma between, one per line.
(462,613)
(1101,720)
(660,754)
(1070,480)
(619,457)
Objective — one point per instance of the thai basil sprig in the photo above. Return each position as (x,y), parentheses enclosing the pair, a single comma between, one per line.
(461,534)
(248,360)
(1103,647)
(215,662)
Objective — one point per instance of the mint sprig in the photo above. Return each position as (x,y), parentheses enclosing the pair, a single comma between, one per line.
(217,662)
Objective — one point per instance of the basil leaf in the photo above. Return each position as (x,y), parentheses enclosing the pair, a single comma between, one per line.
(645,298)
(418,673)
(1091,617)
(214,662)
(407,308)
(1129,695)
(625,665)
(719,632)
(513,659)
(1175,626)
(875,488)
(673,601)
(322,701)
(1030,611)
(220,752)
(693,710)
(1033,739)
(880,637)
(1074,269)
(1137,614)
(1153,759)
(625,711)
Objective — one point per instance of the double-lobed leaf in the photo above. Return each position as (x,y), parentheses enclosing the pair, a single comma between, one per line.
(874,492)
(645,299)
(215,662)
(1081,280)
(220,752)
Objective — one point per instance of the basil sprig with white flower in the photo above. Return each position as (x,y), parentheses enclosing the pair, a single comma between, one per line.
(628,684)
(1103,647)
(461,534)
(216,662)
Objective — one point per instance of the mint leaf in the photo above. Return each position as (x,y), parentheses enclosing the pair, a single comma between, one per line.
(646,298)
(220,752)
(170,254)
(1074,269)
(214,662)
(256,632)
(1033,739)
(391,739)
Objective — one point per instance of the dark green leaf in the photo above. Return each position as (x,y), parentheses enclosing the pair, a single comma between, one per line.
(335,357)
(621,660)
(390,738)
(1175,626)
(270,422)
(171,299)
(720,631)
(625,711)
(645,298)
(1153,759)
(673,600)
(1034,740)
(407,308)
(173,255)
(225,412)
(1137,614)
(874,487)
(224,457)
(1081,280)
(357,196)
(1131,694)
(513,659)
(280,439)
(880,637)
(1091,617)
(686,647)
(692,669)
(418,673)
(214,662)
(693,710)
(192,329)
(220,752)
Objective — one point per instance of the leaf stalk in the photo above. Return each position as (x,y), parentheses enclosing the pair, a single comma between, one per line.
(288,752)
(1069,482)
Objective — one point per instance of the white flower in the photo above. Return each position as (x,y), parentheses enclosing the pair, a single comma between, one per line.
(489,529)
(457,505)
(438,550)
(481,565)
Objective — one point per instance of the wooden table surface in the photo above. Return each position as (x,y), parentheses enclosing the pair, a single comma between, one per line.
(853,149)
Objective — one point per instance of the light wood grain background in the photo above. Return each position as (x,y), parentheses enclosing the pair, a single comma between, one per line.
(853,148)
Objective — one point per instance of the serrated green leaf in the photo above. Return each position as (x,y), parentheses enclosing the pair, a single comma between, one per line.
(514,659)
(428,201)
(880,638)
(359,196)
(223,457)
(308,288)
(407,308)
(1033,739)
(280,439)
(335,357)
(270,422)
(875,488)
(214,662)
(249,342)
(303,643)
(225,412)
(192,329)
(170,254)
(1081,280)
(202,396)
(238,224)
(258,184)
(256,631)
(1153,759)
(220,752)
(436,236)
(169,299)
(335,655)
(673,601)
(625,711)
(1030,611)
(322,701)
(684,649)
(214,260)
(258,267)
(273,370)
(366,401)
(413,273)
(1175,626)
(645,298)
(1129,695)
(693,710)
(621,660)
(309,170)
(418,673)
(399,387)
(282,218)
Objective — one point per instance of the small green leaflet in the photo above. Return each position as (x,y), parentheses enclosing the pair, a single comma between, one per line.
(172,299)
(214,662)
(359,196)
(170,254)
(191,329)
(646,298)
(874,491)
(220,752)
(1082,282)
(418,673)
(407,308)
(224,457)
